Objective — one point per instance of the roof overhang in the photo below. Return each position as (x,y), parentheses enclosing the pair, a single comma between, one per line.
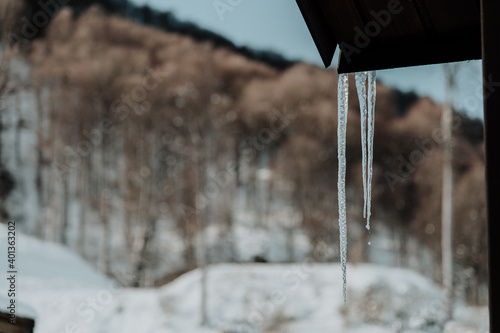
(380,34)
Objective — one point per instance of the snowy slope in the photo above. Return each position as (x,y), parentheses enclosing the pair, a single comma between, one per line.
(69,296)
(308,298)
(47,277)
(291,298)
(48,266)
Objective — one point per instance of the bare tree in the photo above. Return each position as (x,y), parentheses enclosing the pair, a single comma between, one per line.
(447,193)
(6,181)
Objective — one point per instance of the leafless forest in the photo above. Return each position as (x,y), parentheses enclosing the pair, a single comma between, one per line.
(138,148)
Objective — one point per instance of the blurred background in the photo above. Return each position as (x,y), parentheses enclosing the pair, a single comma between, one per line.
(187,151)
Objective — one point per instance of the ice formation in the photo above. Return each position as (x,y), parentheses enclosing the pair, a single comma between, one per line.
(366,87)
(343,95)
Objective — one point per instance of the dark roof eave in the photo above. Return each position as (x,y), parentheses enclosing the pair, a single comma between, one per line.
(320,31)
(415,54)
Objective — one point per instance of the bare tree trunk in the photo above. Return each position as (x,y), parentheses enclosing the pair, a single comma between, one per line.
(18,127)
(104,206)
(106,235)
(447,197)
(53,174)
(5,179)
(149,200)
(82,236)
(188,215)
(290,244)
(228,220)
(237,158)
(127,206)
(40,180)
(251,186)
(65,215)
(200,181)
(403,249)
(204,269)
(228,194)
(141,261)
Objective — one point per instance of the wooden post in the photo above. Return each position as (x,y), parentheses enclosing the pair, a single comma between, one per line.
(490,9)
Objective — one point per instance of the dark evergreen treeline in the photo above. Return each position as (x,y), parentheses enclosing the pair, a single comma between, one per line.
(164,20)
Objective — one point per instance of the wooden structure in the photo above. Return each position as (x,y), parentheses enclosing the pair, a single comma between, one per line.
(378,34)
(23,325)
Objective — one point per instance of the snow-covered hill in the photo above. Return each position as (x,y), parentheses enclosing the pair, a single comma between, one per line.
(48,266)
(70,296)
(308,298)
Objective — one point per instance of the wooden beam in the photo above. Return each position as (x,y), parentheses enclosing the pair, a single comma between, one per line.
(320,30)
(384,57)
(490,9)
(23,325)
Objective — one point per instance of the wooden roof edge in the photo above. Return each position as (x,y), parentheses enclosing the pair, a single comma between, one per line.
(409,55)
(320,31)
(23,320)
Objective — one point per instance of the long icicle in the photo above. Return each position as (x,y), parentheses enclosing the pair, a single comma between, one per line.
(343,94)
(372,96)
(361,81)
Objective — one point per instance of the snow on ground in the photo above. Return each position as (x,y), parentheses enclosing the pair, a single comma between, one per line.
(297,298)
(47,266)
(70,296)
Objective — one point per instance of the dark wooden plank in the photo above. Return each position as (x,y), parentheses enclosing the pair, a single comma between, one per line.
(447,30)
(320,30)
(402,25)
(491,79)
(411,54)
(343,17)
(23,325)
(450,16)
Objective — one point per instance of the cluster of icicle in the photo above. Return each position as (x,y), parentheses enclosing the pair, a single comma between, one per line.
(366,86)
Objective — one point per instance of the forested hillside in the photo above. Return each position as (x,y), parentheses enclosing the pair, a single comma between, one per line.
(125,142)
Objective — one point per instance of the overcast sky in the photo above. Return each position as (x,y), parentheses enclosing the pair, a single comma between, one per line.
(278,25)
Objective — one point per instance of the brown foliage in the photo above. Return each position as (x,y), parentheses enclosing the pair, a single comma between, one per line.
(10,14)
(212,97)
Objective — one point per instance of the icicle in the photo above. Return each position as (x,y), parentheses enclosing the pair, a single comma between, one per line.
(361,81)
(343,94)
(367,98)
(372,95)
